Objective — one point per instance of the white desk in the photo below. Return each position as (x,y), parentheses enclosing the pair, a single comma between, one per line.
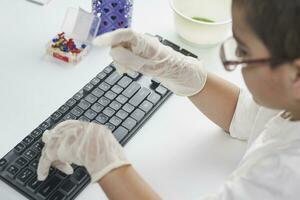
(180,162)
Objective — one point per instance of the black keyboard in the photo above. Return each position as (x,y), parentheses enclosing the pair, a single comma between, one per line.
(121,102)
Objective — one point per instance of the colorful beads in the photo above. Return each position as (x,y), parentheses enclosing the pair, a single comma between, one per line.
(66,49)
(66,45)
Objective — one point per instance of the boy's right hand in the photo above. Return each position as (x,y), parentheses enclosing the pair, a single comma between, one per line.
(132,51)
(86,144)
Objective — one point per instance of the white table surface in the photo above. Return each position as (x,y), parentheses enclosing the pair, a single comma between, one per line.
(178,151)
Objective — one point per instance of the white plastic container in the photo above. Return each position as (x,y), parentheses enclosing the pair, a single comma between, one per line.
(79,26)
(200,32)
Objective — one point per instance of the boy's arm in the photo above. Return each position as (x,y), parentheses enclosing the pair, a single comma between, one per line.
(217,100)
(124,183)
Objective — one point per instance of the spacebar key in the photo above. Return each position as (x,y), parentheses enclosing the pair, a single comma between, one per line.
(131,89)
(139,96)
(48,187)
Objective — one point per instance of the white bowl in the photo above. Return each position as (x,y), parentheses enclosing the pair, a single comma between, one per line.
(200,32)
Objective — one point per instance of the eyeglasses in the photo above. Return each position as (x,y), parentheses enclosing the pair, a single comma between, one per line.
(232,57)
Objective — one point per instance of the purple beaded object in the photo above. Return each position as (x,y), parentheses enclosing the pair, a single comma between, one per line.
(114,14)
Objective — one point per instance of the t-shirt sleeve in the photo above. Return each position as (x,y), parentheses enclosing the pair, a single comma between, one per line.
(244,116)
(271,177)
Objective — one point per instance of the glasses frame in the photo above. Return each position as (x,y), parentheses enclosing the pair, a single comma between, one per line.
(231,65)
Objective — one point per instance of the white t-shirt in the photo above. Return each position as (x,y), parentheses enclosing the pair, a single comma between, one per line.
(270,168)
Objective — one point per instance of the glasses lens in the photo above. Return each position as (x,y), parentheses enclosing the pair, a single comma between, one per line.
(231,51)
(230,54)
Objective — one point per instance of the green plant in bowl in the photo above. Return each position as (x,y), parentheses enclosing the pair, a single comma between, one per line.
(202,19)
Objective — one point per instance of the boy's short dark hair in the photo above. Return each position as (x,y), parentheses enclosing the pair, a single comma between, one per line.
(277,24)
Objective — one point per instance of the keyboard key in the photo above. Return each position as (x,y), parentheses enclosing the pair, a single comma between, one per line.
(110,95)
(104,101)
(109,111)
(38,146)
(95,81)
(19,148)
(52,171)
(115,121)
(21,162)
(68,186)
(101,118)
(110,126)
(146,106)
(84,104)
(69,116)
(71,102)
(120,133)
(128,107)
(98,92)
(113,78)
(104,86)
(24,176)
(33,184)
(61,174)
(184,52)
(187,53)
(79,175)
(88,87)
(91,98)
(48,186)
(84,119)
(153,98)
(154,83)
(101,75)
(96,122)
(97,107)
(129,123)
(29,154)
(171,44)
(193,55)
(139,96)
(115,105)
(125,81)
(63,109)
(122,114)
(90,114)
(137,114)
(56,116)
(134,75)
(108,69)
(36,133)
(57,196)
(3,163)
(117,89)
(78,95)
(34,164)
(77,111)
(131,89)
(12,170)
(28,140)
(122,99)
(45,125)
(161,90)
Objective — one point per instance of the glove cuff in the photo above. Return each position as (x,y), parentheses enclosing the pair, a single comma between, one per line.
(97,176)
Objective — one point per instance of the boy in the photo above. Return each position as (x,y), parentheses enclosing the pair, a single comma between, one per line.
(267,39)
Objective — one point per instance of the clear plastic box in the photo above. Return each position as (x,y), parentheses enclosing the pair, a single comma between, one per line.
(74,42)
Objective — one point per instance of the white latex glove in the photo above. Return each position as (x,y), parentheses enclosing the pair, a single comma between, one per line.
(132,51)
(86,144)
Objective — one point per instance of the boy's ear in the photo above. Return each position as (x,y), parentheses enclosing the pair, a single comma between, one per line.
(296,79)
